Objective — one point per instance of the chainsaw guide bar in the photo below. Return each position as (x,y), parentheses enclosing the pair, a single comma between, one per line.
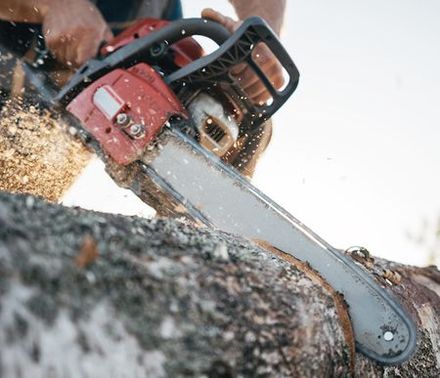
(216,195)
(196,181)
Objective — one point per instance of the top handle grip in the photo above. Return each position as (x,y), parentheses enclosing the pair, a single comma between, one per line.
(216,68)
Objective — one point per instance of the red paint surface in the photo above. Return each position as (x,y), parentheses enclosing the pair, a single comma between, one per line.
(147,100)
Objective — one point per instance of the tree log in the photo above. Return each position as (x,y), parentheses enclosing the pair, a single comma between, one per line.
(85,294)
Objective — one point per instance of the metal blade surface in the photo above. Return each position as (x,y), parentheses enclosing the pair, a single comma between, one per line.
(220,197)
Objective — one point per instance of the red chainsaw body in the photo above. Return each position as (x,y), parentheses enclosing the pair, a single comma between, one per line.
(137,96)
(140,95)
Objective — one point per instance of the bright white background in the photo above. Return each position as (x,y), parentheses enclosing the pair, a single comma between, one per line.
(355,153)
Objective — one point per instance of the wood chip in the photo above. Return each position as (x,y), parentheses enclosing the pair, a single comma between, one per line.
(88,252)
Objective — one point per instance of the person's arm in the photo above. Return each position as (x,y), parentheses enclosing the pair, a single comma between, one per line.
(24,10)
(73,29)
(271,10)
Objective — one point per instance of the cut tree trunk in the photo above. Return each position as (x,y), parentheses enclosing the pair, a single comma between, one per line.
(84,294)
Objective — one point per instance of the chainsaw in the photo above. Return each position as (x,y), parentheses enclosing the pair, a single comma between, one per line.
(162,114)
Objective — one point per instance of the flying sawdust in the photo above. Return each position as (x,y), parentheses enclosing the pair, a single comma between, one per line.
(37,154)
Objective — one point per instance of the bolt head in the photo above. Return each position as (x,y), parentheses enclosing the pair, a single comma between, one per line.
(122,119)
(136,130)
(388,336)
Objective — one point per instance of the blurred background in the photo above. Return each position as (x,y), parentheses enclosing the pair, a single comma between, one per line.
(355,152)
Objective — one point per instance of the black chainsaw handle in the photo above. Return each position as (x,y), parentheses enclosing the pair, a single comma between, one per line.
(140,50)
(215,68)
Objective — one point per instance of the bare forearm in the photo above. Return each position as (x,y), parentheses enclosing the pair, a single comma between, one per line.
(271,10)
(25,10)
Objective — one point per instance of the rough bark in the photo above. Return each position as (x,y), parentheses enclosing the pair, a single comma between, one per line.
(85,294)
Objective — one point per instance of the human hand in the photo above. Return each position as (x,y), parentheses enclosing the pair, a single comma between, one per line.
(262,56)
(74,30)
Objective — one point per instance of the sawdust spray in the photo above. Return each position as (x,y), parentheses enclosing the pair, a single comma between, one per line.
(37,154)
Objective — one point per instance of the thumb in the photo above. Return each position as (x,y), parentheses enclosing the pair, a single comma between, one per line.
(108,35)
(227,22)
